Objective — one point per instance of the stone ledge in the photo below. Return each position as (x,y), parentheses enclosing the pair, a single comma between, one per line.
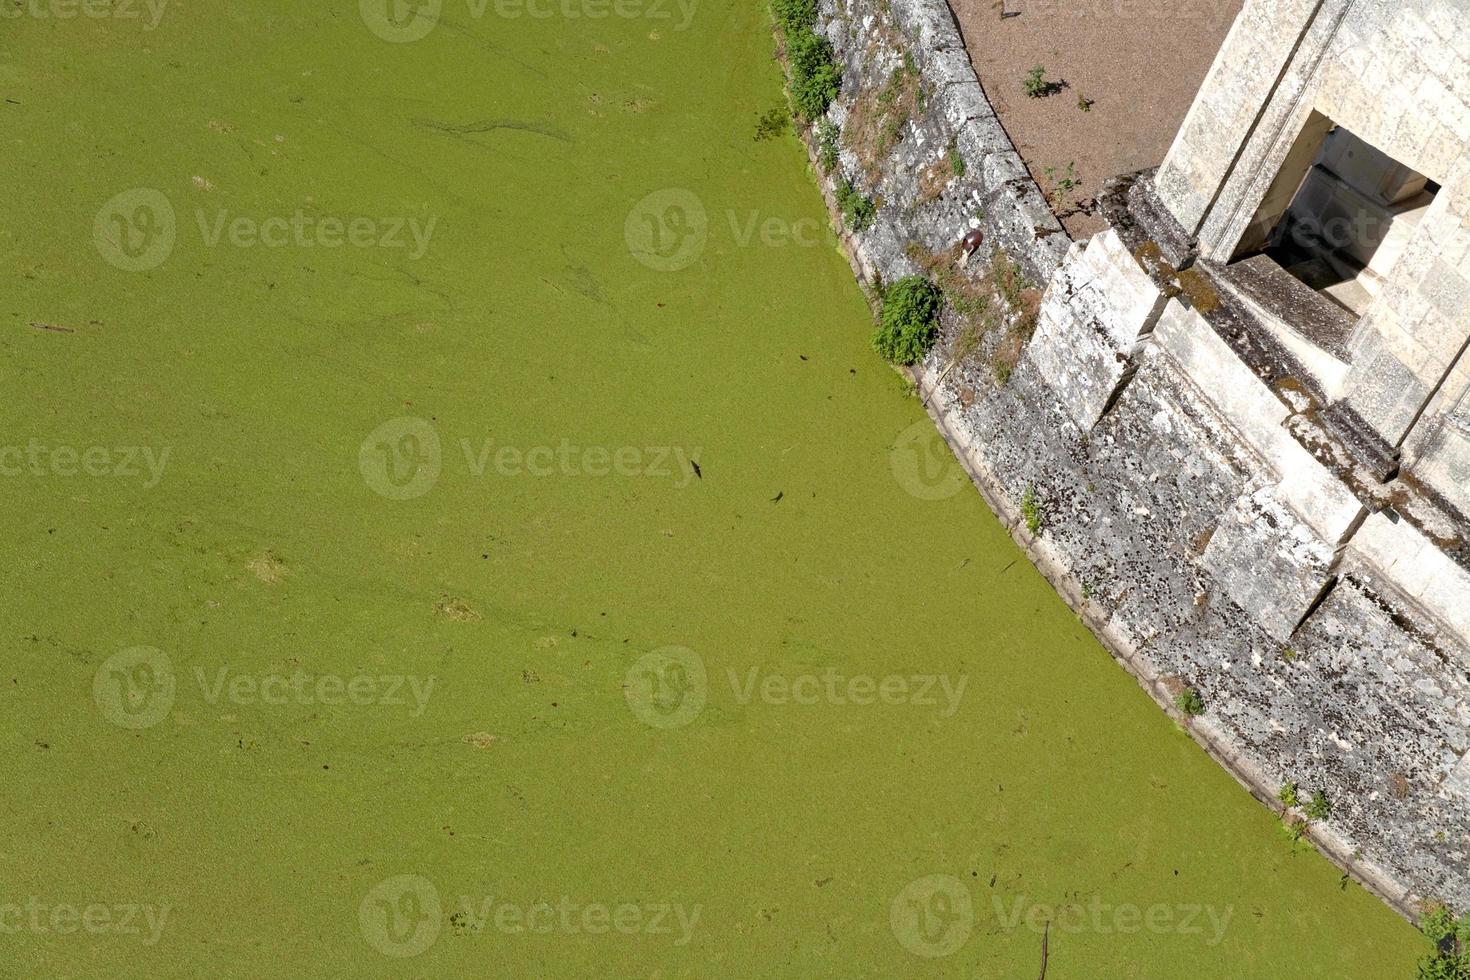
(1253,411)
(1418,568)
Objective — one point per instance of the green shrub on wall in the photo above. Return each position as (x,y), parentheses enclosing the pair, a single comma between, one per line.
(828,151)
(857,208)
(795,15)
(907,325)
(814,78)
(1451,938)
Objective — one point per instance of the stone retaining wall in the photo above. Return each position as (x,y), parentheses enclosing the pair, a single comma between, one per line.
(996,193)
(1181,520)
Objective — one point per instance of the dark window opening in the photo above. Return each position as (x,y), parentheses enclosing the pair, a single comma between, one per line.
(1339,215)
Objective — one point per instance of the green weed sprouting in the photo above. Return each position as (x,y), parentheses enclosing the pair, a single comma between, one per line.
(1035,83)
(1031,511)
(1318,807)
(1190,702)
(857,209)
(828,134)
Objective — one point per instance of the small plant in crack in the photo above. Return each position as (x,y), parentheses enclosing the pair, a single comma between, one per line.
(1318,807)
(827,148)
(1288,795)
(1062,185)
(1031,511)
(1190,702)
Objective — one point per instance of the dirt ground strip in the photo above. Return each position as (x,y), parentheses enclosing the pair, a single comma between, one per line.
(1135,64)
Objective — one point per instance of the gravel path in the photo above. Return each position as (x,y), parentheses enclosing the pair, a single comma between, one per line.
(1138,63)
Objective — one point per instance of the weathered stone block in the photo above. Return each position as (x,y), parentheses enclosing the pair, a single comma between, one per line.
(1254,413)
(1458,781)
(929,22)
(1384,391)
(1269,562)
(1417,567)
(1098,307)
(961,102)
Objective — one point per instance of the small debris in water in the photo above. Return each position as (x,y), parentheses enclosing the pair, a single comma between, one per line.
(455,609)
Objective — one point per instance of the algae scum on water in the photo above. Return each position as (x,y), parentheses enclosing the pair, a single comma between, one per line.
(442,543)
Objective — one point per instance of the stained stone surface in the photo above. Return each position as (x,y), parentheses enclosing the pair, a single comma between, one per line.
(1396,74)
(995,192)
(1183,515)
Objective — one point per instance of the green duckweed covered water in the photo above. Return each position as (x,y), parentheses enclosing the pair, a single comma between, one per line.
(400,417)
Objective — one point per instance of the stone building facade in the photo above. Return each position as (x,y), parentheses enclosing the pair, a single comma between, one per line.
(1296,81)
(1304,248)
(1244,404)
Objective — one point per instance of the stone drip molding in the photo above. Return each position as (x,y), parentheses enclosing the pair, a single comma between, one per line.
(1112,420)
